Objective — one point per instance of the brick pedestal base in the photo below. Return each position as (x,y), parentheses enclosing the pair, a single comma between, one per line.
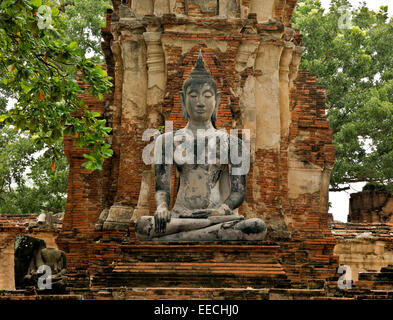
(187,265)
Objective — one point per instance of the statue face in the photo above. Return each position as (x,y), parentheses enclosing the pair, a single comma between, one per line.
(200,102)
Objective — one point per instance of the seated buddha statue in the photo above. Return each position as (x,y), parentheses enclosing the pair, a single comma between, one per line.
(53,259)
(212,176)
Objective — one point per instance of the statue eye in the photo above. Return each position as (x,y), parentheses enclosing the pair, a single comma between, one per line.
(193,95)
(208,95)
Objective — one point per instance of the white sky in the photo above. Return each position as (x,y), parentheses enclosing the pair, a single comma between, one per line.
(340,200)
(371,4)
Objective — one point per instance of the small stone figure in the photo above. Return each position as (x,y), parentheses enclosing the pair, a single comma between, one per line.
(212,181)
(52,259)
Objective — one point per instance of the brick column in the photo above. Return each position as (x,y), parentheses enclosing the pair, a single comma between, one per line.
(266,176)
(134,112)
(286,59)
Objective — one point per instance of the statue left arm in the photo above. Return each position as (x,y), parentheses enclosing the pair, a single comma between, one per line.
(239,159)
(239,163)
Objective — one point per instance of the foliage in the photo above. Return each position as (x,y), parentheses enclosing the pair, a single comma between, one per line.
(354,63)
(38,67)
(21,191)
(29,181)
(83,20)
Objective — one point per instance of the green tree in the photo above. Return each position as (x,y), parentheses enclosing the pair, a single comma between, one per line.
(39,66)
(353,60)
(30,182)
(82,22)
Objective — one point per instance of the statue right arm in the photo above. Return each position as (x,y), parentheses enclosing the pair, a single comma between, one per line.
(163,169)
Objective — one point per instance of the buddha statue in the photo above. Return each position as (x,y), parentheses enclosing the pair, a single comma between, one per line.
(52,258)
(212,179)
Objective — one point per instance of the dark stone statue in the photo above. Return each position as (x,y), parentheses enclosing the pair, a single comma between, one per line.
(33,260)
(212,174)
(25,248)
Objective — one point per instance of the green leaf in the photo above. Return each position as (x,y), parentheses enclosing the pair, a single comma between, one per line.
(55,12)
(26,87)
(72,46)
(20,124)
(95,114)
(102,72)
(89,157)
(107,153)
(36,3)
(68,131)
(91,165)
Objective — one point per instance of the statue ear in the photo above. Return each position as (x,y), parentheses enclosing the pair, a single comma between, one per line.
(183,105)
(214,115)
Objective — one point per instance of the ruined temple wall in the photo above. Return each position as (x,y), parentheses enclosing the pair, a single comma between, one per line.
(363,247)
(308,158)
(371,206)
(253,55)
(7,261)
(364,255)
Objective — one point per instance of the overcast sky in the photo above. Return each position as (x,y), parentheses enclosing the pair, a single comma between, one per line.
(372,4)
(340,200)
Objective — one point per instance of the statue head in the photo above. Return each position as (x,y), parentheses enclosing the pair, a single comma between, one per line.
(199,98)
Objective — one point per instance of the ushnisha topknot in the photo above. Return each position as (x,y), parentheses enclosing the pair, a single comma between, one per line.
(199,74)
(200,70)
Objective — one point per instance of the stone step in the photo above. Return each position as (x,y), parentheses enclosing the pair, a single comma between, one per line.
(204,275)
(192,293)
(213,268)
(237,265)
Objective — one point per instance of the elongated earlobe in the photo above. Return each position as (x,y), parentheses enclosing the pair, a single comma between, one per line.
(183,105)
(214,115)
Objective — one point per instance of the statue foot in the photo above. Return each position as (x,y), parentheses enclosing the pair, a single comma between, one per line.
(252,229)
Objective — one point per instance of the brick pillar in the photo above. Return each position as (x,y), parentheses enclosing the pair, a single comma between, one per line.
(285,115)
(134,112)
(266,177)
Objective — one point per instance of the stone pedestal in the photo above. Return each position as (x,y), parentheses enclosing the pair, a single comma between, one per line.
(241,265)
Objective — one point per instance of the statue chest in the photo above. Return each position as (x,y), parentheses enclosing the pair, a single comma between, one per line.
(206,151)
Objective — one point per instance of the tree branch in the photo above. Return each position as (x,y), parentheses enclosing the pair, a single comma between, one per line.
(54,210)
(339,189)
